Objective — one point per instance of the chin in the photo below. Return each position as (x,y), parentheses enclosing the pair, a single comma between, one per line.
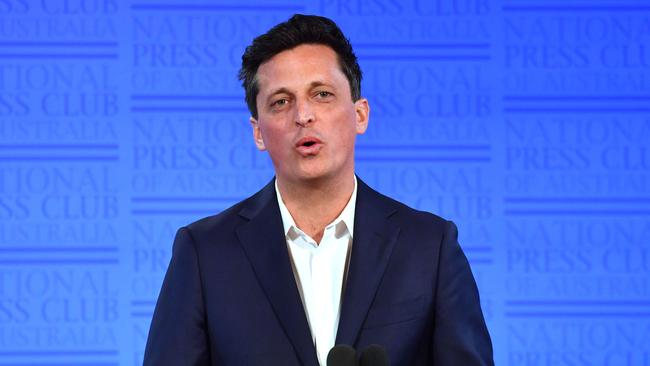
(313,174)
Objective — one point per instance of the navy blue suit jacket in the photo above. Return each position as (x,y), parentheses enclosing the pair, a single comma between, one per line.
(229,296)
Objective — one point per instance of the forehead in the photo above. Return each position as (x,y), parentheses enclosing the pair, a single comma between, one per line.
(300,66)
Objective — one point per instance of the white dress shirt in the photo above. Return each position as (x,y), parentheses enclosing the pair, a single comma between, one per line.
(320,271)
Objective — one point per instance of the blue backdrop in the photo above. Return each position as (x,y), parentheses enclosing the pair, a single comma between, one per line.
(527,122)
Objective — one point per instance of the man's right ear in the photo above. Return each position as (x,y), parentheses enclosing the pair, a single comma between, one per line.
(257,134)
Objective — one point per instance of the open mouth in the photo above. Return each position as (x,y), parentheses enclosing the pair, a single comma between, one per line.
(309,146)
(307,142)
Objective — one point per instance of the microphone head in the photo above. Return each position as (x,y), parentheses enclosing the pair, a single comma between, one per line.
(374,355)
(342,355)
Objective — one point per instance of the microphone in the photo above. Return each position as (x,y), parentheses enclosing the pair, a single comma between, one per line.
(374,355)
(342,355)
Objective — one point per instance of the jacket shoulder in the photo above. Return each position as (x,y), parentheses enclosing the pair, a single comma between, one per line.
(222,226)
(218,223)
(409,216)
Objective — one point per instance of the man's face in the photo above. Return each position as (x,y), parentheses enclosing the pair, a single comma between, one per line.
(306,117)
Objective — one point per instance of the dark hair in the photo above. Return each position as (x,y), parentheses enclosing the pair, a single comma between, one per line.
(299,29)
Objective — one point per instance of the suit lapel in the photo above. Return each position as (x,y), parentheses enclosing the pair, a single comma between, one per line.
(372,244)
(264,243)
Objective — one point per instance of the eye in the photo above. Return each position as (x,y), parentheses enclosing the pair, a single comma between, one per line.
(324,94)
(279,102)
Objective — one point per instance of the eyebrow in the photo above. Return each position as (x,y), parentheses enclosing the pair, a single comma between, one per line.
(281,90)
(317,83)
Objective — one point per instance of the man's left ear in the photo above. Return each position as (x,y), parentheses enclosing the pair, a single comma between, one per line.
(362,110)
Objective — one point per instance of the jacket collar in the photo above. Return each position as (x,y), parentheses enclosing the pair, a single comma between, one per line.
(372,245)
(264,243)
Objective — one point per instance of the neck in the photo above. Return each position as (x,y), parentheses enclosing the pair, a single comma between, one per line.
(316,204)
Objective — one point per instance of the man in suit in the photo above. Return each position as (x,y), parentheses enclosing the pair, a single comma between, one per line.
(316,258)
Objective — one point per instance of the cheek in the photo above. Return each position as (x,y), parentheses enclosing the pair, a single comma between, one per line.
(273,137)
(346,119)
(351,128)
(347,137)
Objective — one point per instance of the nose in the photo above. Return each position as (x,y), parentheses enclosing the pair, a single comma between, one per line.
(304,114)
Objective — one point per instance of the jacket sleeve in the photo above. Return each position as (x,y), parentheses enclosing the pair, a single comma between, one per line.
(178,335)
(460,336)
